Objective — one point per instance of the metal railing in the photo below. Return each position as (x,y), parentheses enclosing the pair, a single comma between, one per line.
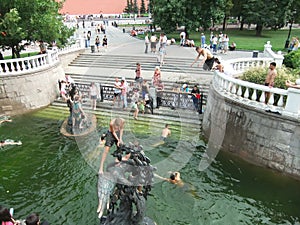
(165,98)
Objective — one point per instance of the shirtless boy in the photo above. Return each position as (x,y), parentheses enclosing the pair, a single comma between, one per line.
(165,132)
(270,78)
(208,58)
(113,136)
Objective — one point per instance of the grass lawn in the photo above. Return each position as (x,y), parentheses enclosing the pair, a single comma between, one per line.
(23,55)
(246,39)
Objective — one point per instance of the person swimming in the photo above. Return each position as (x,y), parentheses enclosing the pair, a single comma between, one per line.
(4,119)
(173,179)
(9,142)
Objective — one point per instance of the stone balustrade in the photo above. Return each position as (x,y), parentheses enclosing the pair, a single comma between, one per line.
(276,57)
(238,66)
(36,63)
(254,95)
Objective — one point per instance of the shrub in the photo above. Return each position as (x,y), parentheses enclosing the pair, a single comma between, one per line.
(292,60)
(258,75)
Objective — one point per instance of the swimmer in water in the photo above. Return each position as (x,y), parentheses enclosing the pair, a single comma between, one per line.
(174,179)
(9,142)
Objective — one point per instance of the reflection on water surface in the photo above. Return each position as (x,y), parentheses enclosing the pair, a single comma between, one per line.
(56,177)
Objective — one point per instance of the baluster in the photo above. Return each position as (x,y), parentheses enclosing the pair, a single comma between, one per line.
(228,83)
(6,68)
(23,65)
(222,84)
(33,63)
(271,99)
(246,94)
(280,101)
(240,92)
(254,95)
(233,90)
(262,97)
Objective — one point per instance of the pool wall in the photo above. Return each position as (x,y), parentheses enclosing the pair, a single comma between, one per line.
(257,136)
(29,91)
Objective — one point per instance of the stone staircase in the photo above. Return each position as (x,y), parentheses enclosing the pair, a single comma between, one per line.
(186,119)
(104,64)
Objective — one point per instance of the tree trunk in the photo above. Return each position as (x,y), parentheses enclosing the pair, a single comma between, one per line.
(258,29)
(12,52)
(224,23)
(242,25)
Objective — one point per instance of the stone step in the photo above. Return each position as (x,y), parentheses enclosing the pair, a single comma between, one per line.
(187,118)
(88,78)
(129,62)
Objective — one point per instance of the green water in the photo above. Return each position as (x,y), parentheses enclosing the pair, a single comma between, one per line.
(56,176)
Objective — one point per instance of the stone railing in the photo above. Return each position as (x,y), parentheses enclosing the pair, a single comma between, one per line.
(280,101)
(35,63)
(28,64)
(276,57)
(79,44)
(238,66)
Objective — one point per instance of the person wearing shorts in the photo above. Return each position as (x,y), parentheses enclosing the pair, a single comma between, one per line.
(113,136)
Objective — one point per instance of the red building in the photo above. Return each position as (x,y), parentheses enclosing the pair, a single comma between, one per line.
(85,7)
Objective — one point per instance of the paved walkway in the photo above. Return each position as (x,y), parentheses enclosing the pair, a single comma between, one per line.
(122,44)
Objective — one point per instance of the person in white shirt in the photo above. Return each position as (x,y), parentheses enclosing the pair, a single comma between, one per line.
(182,38)
(146,43)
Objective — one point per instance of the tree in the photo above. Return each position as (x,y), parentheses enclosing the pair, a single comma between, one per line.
(135,7)
(128,8)
(143,7)
(31,20)
(268,13)
(227,7)
(168,14)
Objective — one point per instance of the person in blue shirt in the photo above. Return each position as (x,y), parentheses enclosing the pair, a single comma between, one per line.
(203,41)
(185,88)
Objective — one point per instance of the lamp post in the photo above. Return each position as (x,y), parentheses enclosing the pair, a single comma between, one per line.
(287,42)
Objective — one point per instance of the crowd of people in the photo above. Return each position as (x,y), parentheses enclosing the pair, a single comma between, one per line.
(100,29)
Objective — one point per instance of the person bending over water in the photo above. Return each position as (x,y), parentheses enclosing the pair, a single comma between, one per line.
(113,136)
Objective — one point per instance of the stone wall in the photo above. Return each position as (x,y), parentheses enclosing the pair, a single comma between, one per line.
(22,93)
(26,92)
(257,136)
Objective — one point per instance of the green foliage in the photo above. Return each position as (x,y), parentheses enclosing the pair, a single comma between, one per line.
(257,75)
(143,7)
(193,14)
(31,20)
(292,60)
(12,32)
